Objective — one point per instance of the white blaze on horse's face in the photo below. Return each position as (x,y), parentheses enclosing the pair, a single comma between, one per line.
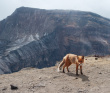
(80,64)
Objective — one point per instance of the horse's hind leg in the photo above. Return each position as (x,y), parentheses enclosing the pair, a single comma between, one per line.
(64,68)
(68,69)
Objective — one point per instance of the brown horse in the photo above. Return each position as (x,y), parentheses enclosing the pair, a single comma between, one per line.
(72,59)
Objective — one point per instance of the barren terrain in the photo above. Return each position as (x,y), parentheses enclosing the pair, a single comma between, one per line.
(96,79)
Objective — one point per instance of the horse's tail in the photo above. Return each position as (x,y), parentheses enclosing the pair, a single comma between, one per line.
(60,65)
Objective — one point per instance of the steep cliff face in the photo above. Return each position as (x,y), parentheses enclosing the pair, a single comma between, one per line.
(38,38)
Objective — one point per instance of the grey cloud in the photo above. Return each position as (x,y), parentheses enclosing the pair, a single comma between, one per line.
(101,7)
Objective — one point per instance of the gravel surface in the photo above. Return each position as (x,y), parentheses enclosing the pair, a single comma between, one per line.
(96,79)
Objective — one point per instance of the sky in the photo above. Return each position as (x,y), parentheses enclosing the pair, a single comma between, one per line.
(101,7)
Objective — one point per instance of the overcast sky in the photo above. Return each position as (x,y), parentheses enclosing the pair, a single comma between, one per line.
(101,7)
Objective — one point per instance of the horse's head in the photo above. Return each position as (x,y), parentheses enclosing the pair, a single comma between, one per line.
(80,59)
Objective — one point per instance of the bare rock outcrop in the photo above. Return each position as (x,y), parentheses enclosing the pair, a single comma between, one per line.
(38,38)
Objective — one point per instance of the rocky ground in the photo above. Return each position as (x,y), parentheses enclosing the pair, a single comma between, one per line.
(96,79)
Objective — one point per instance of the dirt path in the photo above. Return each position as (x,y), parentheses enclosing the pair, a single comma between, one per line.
(96,79)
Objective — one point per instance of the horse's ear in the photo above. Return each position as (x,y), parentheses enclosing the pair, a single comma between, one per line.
(77,57)
(82,57)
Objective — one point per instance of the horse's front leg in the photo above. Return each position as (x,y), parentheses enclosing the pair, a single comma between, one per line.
(81,69)
(77,69)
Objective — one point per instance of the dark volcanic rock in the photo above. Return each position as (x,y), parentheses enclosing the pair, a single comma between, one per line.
(38,38)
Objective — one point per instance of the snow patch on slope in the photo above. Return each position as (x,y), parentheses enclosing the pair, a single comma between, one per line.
(21,42)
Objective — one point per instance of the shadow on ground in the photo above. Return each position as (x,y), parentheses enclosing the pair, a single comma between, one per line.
(83,77)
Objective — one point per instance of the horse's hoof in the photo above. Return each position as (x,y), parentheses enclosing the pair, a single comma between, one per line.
(77,74)
(81,73)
